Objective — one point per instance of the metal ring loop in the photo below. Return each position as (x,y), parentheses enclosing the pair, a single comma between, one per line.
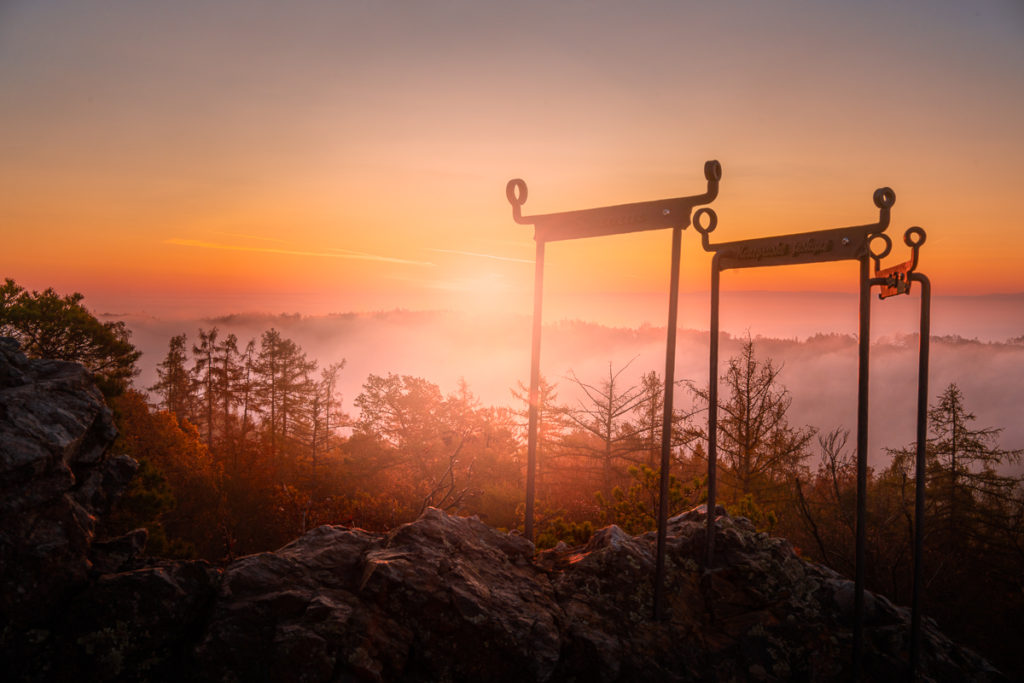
(712,220)
(515,191)
(884,197)
(712,170)
(914,237)
(888,246)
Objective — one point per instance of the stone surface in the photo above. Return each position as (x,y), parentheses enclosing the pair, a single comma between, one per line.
(440,599)
(55,477)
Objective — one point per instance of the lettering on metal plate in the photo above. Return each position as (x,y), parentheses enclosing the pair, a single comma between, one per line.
(810,247)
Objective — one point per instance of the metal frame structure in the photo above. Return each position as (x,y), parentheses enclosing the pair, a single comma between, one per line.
(851,243)
(820,246)
(611,220)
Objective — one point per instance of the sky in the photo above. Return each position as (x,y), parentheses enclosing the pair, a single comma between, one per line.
(203,158)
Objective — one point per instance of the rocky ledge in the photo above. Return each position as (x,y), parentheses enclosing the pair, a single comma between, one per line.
(443,598)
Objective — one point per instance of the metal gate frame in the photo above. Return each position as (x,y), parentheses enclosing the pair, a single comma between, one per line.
(611,220)
(820,246)
(852,243)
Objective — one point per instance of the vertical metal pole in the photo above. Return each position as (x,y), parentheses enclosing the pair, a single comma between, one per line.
(666,425)
(531,443)
(862,463)
(713,411)
(919,473)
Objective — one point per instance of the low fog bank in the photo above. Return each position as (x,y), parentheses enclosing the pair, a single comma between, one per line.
(491,352)
(786,315)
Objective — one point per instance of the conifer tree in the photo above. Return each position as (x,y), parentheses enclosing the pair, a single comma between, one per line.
(174,381)
(283,387)
(759,451)
(48,325)
(964,480)
(227,375)
(603,412)
(551,426)
(204,371)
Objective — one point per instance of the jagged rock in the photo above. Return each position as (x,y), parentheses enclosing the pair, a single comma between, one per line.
(55,477)
(449,599)
(443,598)
(115,555)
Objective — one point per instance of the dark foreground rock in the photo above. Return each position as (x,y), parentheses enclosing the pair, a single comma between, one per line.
(443,598)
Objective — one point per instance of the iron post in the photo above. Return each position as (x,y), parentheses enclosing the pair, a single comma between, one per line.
(713,410)
(863,351)
(920,468)
(534,410)
(666,426)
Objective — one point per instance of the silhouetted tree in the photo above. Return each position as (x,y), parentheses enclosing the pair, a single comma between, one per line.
(324,417)
(204,371)
(247,390)
(974,543)
(48,325)
(759,452)
(551,426)
(283,386)
(174,381)
(603,412)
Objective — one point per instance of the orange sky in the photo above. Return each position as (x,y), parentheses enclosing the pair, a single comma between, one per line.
(330,156)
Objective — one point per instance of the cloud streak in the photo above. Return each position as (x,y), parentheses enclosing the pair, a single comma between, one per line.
(329,253)
(251,237)
(479,255)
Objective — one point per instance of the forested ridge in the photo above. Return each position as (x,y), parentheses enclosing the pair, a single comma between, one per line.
(245,443)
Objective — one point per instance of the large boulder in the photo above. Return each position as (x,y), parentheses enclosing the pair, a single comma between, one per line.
(443,598)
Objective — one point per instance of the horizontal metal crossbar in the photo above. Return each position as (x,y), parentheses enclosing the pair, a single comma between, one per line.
(817,246)
(612,220)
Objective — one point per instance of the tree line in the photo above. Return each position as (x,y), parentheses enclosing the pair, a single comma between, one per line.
(244,445)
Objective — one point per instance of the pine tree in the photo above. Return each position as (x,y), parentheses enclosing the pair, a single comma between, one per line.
(247,389)
(227,375)
(174,382)
(551,426)
(48,325)
(964,480)
(325,416)
(283,387)
(204,372)
(759,452)
(603,413)
(974,507)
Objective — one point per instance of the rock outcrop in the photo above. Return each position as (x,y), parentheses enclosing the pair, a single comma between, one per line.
(55,478)
(443,598)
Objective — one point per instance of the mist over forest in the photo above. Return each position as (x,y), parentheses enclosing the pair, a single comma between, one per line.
(977,343)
